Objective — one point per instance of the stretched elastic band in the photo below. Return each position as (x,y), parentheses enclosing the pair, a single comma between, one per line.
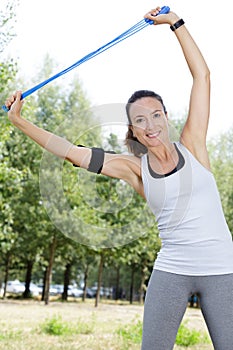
(134,29)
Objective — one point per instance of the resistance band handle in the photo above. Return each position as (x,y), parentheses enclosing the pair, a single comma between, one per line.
(5,108)
(164,10)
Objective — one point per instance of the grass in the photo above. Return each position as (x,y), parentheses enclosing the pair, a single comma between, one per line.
(75,325)
(187,337)
(132,334)
(57,326)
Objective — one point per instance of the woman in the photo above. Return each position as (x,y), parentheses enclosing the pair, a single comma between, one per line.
(175,179)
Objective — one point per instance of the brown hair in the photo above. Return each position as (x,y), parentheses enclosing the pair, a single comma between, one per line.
(134,146)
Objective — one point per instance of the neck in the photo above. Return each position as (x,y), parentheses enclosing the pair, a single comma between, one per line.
(162,153)
(163,159)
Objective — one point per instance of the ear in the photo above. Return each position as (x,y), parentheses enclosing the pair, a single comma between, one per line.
(131,129)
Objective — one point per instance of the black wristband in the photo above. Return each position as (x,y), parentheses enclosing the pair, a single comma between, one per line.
(177,24)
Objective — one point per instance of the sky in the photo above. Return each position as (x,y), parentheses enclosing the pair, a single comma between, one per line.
(151,59)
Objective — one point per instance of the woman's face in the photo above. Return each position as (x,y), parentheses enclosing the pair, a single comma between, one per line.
(149,122)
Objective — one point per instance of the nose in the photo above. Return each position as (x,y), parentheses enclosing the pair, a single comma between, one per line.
(150,123)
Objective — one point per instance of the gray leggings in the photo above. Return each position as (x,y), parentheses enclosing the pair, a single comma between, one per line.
(166,301)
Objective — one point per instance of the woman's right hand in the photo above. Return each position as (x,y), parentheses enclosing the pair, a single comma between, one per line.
(14,104)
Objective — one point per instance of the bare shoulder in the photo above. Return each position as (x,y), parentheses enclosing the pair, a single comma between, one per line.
(121,165)
(125,167)
(198,150)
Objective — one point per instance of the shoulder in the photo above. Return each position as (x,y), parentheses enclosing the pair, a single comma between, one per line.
(125,167)
(121,165)
(198,150)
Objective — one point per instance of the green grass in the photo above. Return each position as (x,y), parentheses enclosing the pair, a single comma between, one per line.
(57,326)
(80,326)
(132,333)
(187,337)
(9,335)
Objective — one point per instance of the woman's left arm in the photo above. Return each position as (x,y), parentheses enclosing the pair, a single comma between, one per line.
(195,129)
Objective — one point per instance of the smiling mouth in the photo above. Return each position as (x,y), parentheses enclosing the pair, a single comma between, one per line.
(154,135)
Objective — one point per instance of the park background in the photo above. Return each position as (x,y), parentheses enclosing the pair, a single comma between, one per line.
(33,248)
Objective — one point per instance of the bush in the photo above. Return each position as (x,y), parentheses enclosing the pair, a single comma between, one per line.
(56,326)
(187,337)
(132,334)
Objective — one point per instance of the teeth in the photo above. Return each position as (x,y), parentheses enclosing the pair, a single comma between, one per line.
(154,135)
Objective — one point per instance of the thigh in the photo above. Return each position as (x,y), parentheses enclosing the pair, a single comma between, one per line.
(165,304)
(216,301)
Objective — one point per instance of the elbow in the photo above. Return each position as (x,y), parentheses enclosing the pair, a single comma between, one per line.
(203,76)
(207,74)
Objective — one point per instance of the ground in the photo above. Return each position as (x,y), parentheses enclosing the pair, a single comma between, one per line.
(20,325)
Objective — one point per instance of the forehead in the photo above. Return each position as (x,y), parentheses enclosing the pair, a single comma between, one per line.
(144,106)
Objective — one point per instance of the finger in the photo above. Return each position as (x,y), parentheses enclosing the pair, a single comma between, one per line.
(152,13)
(18,95)
(9,101)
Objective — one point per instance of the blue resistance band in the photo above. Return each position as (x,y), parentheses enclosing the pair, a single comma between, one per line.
(134,29)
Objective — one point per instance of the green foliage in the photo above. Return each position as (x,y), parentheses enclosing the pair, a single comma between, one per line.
(221,156)
(131,333)
(187,337)
(7,17)
(10,335)
(57,326)
(8,69)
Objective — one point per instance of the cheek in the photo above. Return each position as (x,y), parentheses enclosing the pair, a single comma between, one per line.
(137,130)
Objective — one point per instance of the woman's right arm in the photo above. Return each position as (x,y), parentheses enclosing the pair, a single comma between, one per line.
(47,140)
(115,165)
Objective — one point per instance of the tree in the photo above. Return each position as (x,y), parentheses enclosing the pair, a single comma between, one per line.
(8,69)
(10,178)
(221,156)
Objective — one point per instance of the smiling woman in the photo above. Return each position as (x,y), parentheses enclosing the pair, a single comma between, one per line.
(147,115)
(176,181)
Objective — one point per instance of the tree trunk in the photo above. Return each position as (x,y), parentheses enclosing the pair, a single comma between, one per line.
(100,273)
(66,282)
(86,272)
(7,267)
(28,279)
(117,288)
(131,285)
(49,269)
(142,288)
(44,281)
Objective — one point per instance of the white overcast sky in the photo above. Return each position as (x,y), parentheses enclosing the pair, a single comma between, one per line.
(150,59)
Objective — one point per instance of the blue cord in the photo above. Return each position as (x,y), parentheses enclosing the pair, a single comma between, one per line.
(134,29)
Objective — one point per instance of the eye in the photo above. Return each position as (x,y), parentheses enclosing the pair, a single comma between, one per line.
(139,120)
(156,115)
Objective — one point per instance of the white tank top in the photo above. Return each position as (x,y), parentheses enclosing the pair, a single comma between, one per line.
(194,234)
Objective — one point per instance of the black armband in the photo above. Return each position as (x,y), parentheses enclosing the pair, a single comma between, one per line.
(97,160)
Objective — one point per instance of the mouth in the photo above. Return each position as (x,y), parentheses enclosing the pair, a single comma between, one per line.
(153,135)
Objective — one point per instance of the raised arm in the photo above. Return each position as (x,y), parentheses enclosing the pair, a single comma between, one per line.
(195,130)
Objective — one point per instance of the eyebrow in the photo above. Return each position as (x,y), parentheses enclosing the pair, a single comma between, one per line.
(141,115)
(157,110)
